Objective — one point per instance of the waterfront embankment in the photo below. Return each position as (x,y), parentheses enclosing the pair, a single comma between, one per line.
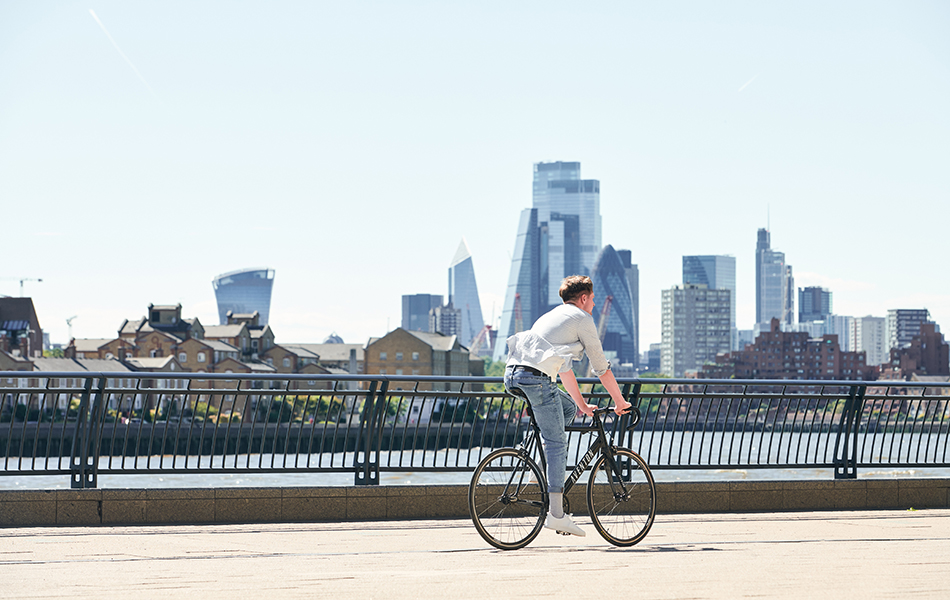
(30,508)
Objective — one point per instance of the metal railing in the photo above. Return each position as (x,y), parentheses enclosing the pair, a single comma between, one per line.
(83,425)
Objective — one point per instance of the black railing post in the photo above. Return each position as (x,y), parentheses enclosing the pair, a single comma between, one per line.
(846,441)
(367,457)
(84,462)
(633,397)
(77,459)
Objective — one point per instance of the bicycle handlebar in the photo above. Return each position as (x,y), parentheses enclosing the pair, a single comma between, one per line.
(632,412)
(607,409)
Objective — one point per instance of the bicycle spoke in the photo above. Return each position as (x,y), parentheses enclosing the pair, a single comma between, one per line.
(507,500)
(622,506)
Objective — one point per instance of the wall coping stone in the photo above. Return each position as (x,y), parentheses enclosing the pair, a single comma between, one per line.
(31,508)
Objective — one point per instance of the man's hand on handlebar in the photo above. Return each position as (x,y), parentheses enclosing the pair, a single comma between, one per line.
(622,407)
(586,409)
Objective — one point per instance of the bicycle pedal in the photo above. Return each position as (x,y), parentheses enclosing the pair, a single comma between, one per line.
(563,532)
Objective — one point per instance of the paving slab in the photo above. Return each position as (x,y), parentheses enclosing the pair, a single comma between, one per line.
(834,554)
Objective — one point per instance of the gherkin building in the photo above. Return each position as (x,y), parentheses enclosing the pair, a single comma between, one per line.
(611,281)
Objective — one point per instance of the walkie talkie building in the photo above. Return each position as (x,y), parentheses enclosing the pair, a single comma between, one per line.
(244,291)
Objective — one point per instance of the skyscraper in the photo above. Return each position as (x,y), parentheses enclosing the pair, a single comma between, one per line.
(611,285)
(695,327)
(789,296)
(773,280)
(717,273)
(244,291)
(445,320)
(559,236)
(903,324)
(463,295)
(842,326)
(633,278)
(415,310)
(869,335)
(814,304)
(569,218)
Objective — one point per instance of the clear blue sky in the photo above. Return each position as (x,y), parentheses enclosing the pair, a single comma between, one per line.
(351,145)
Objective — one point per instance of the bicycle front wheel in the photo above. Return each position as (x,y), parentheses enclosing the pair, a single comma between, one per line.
(508,499)
(623,502)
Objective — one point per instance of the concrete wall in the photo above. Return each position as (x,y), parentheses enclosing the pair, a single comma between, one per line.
(310,504)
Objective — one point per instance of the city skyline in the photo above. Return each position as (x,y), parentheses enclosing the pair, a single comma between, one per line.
(256,142)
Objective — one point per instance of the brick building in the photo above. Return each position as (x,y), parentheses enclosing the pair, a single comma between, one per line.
(778,354)
(414,353)
(926,355)
(20,331)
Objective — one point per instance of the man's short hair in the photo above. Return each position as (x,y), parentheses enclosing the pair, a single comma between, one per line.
(575,286)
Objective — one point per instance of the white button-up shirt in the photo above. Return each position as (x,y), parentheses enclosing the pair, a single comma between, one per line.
(556,340)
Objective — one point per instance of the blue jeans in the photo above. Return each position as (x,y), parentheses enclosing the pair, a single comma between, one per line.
(553,409)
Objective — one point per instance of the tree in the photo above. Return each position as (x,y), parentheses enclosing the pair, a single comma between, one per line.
(494,368)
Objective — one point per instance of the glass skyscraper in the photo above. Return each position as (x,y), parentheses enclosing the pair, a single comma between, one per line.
(610,281)
(814,304)
(244,291)
(415,310)
(716,272)
(773,284)
(463,295)
(633,279)
(559,236)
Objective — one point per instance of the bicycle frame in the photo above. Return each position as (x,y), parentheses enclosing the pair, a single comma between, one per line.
(600,446)
(622,513)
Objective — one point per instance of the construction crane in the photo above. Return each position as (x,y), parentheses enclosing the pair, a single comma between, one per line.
(69,323)
(483,335)
(22,280)
(604,318)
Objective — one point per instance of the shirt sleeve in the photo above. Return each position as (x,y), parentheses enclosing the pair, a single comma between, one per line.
(587,334)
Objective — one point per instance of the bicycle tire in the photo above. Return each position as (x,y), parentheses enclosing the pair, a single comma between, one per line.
(622,515)
(508,499)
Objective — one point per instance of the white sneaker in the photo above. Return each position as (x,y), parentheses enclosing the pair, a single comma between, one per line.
(564,525)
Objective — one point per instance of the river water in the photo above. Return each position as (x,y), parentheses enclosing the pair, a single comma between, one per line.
(12,480)
(660,449)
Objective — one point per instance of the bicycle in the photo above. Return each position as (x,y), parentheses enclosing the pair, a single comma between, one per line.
(508,498)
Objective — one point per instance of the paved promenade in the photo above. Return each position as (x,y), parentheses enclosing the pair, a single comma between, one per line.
(861,554)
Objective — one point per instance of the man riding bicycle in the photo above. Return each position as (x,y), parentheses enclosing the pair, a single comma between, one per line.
(536,358)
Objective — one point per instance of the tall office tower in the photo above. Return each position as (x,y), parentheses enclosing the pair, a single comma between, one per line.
(463,295)
(772,280)
(789,296)
(244,291)
(717,273)
(842,326)
(415,310)
(446,320)
(654,357)
(633,278)
(903,324)
(695,327)
(559,236)
(613,297)
(869,335)
(814,304)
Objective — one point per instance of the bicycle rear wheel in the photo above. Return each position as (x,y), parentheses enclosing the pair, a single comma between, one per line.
(508,499)
(622,506)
